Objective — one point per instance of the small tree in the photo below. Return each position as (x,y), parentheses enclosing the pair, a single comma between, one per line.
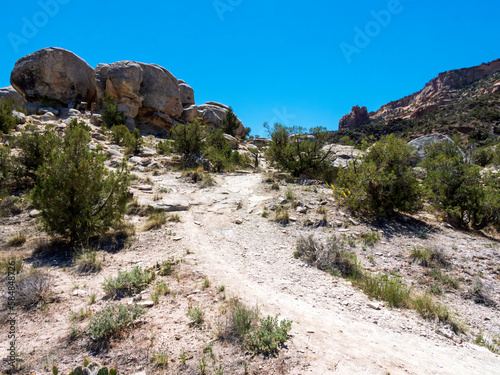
(383,182)
(5,168)
(7,120)
(123,137)
(455,186)
(35,147)
(76,194)
(188,138)
(230,123)
(111,115)
(218,150)
(299,152)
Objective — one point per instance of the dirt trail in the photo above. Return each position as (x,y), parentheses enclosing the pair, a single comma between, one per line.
(333,326)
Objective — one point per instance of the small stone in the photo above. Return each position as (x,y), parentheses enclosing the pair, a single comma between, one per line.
(310,331)
(354,222)
(115,153)
(146,304)
(239,221)
(197,222)
(343,230)
(137,298)
(293,218)
(301,209)
(177,238)
(79,292)
(374,305)
(34,213)
(144,187)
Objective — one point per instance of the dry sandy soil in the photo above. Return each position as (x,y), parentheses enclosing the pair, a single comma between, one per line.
(223,237)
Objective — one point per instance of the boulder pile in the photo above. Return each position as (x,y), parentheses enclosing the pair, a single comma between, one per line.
(152,99)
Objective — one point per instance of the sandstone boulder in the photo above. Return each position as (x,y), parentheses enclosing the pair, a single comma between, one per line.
(187,93)
(357,117)
(54,74)
(10,93)
(148,94)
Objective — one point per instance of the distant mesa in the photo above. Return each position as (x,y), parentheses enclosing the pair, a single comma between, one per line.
(150,96)
(435,94)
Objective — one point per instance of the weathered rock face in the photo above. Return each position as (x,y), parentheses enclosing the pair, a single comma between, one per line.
(358,116)
(421,143)
(210,113)
(187,93)
(10,93)
(146,93)
(436,92)
(54,74)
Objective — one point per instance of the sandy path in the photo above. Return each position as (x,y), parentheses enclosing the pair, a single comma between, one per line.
(333,325)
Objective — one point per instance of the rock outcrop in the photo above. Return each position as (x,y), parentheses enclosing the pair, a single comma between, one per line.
(152,99)
(437,92)
(357,117)
(10,93)
(420,144)
(55,75)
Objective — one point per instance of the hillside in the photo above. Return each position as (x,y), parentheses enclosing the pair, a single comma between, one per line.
(464,101)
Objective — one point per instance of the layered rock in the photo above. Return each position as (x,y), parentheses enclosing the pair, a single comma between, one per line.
(357,117)
(437,92)
(55,75)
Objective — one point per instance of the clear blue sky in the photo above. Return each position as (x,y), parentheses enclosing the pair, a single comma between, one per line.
(295,62)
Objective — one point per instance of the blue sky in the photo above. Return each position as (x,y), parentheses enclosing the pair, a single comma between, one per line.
(294,62)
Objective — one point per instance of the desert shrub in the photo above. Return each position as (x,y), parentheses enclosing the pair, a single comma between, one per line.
(7,120)
(370,239)
(188,138)
(456,188)
(12,205)
(387,288)
(480,293)
(127,283)
(239,319)
(230,123)
(132,141)
(76,194)
(33,289)
(383,182)
(155,220)
(6,169)
(269,336)
(217,150)
(330,256)
(282,215)
(111,116)
(299,152)
(11,264)
(483,156)
(17,240)
(111,320)
(86,261)
(195,313)
(164,147)
(35,148)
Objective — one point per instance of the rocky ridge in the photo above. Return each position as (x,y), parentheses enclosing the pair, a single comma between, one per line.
(436,93)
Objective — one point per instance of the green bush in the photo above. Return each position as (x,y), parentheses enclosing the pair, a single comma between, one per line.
(5,169)
(230,123)
(7,120)
(35,147)
(111,320)
(111,116)
(188,138)
(127,283)
(218,151)
(164,147)
(383,182)
(457,188)
(270,335)
(293,151)
(76,194)
(132,141)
